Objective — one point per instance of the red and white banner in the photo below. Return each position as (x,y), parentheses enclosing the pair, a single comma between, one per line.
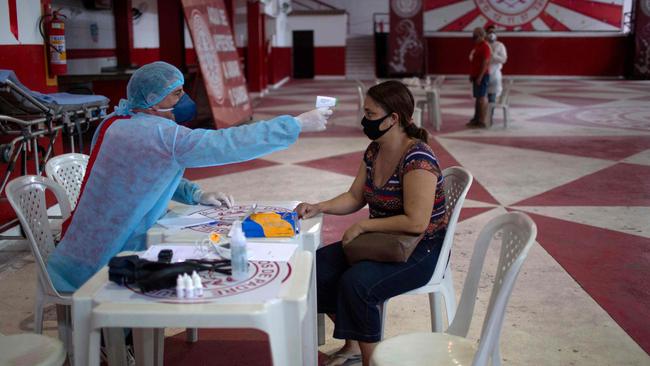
(642,39)
(524,15)
(215,47)
(405,41)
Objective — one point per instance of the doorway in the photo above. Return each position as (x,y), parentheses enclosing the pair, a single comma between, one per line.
(303,54)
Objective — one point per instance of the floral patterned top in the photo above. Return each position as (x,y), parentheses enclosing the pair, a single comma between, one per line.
(388,200)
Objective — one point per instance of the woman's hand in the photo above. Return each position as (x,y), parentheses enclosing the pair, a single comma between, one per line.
(307,210)
(352,232)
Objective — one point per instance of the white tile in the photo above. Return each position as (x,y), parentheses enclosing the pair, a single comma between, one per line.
(512,174)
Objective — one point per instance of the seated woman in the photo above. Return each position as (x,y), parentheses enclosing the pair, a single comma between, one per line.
(401,182)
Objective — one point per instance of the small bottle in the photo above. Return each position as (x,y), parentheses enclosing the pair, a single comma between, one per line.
(180,287)
(198,286)
(189,286)
(238,253)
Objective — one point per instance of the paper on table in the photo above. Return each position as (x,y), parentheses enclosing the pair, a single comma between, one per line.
(180,222)
(276,252)
(268,251)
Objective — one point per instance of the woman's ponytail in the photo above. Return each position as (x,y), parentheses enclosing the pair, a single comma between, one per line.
(414,131)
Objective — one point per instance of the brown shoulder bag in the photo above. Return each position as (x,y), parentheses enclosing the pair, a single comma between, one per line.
(381,247)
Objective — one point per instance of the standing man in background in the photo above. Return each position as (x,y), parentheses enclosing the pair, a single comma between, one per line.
(479,77)
(499,57)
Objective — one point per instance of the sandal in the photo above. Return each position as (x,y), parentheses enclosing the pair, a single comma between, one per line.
(343,359)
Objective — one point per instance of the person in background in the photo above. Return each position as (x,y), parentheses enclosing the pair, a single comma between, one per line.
(402,184)
(138,157)
(499,57)
(479,77)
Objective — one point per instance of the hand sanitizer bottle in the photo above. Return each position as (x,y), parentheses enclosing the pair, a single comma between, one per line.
(238,253)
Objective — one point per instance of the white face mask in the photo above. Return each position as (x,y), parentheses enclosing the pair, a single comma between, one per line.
(492,37)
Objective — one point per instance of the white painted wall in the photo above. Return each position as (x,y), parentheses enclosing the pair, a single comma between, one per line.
(329,30)
(145,28)
(360,13)
(27,14)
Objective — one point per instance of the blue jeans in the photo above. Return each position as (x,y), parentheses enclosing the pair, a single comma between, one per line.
(355,293)
(481,89)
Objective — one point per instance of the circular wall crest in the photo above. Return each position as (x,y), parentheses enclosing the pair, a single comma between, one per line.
(406,8)
(511,12)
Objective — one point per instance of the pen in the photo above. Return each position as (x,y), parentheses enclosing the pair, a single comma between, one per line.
(205,224)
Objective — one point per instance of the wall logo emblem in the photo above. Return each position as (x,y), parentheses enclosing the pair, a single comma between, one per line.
(406,8)
(511,12)
(207,53)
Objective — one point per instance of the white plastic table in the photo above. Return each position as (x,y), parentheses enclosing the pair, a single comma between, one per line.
(309,240)
(278,308)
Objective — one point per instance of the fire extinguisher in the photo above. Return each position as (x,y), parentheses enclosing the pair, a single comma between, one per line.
(54,37)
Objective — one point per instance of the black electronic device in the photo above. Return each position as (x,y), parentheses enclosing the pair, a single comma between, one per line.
(165,256)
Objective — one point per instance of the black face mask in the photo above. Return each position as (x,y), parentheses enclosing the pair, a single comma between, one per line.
(371,127)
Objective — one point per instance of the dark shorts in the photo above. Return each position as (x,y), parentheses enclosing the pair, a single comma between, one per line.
(355,293)
(481,89)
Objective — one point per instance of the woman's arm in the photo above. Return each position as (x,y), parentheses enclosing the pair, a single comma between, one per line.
(419,195)
(343,204)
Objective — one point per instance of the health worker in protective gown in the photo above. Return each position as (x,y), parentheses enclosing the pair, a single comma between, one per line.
(138,157)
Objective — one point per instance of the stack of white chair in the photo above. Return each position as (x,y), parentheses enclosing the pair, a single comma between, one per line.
(68,170)
(517,233)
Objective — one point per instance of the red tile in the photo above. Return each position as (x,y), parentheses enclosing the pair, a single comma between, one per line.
(336,130)
(215,171)
(601,147)
(619,185)
(347,164)
(334,226)
(477,192)
(613,268)
(469,212)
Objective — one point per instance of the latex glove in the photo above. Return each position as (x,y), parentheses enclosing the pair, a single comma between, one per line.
(314,120)
(216,199)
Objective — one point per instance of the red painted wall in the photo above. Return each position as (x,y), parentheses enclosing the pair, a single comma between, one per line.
(280,65)
(329,60)
(28,61)
(577,56)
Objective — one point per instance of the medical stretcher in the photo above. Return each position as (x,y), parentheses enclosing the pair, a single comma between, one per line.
(28,116)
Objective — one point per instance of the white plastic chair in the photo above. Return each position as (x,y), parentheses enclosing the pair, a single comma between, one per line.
(361,93)
(68,170)
(502,103)
(518,234)
(27,197)
(31,349)
(457,183)
(420,94)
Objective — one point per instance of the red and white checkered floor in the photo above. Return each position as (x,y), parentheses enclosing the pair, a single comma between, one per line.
(575,157)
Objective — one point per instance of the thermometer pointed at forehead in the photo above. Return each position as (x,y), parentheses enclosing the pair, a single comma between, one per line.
(327,102)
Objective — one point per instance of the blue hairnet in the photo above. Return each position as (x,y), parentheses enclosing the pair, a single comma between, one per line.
(149,85)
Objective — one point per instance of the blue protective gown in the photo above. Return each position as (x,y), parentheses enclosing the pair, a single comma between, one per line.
(138,169)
